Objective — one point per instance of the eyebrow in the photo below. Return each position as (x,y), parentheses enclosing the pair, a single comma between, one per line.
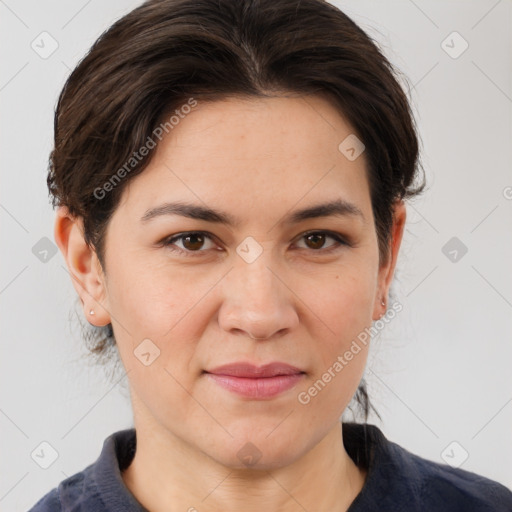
(338,208)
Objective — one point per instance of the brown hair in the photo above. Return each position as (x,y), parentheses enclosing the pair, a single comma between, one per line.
(160,55)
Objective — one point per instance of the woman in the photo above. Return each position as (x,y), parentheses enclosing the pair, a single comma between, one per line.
(230,179)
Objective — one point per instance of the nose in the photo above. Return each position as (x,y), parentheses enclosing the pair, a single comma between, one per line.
(256,302)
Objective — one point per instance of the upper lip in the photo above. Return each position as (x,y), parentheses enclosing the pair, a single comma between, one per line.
(242,369)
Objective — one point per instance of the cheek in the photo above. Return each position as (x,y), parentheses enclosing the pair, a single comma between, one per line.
(343,306)
(159,317)
(156,320)
(137,311)
(152,300)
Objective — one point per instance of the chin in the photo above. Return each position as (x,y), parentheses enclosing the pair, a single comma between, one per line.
(258,460)
(260,451)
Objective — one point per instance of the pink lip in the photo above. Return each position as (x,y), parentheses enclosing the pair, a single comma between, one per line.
(256,381)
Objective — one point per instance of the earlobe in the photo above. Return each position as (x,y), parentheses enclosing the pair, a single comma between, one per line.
(83,266)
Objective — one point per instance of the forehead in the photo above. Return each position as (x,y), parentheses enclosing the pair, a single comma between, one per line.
(254,154)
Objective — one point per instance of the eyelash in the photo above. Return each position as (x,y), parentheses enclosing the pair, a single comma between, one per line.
(169,241)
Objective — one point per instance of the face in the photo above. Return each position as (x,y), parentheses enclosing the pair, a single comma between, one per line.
(186,295)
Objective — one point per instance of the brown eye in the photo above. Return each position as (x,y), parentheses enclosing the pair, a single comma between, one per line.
(316,241)
(187,243)
(193,242)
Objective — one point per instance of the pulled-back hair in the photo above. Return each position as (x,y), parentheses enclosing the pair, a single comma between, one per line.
(153,61)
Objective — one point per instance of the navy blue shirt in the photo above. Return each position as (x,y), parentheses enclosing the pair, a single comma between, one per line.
(396,481)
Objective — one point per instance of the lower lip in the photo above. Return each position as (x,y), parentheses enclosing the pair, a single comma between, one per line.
(264,387)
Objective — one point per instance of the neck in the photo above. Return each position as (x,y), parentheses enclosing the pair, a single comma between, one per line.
(169,474)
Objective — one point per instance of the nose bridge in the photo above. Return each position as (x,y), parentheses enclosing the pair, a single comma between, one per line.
(255,300)
(252,275)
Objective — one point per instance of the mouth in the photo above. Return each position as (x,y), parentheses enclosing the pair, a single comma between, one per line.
(256,382)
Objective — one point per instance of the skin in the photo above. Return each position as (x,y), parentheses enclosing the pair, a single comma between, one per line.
(258,160)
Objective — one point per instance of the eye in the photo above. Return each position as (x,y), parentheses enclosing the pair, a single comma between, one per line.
(315,240)
(191,242)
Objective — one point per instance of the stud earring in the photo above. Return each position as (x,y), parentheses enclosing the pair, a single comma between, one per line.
(91,312)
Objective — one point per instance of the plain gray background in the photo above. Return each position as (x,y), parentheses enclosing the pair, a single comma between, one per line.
(441,371)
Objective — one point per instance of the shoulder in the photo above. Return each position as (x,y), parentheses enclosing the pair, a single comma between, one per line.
(48,503)
(77,487)
(99,487)
(441,485)
(398,480)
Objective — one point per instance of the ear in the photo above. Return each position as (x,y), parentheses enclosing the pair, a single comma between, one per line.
(386,271)
(83,265)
